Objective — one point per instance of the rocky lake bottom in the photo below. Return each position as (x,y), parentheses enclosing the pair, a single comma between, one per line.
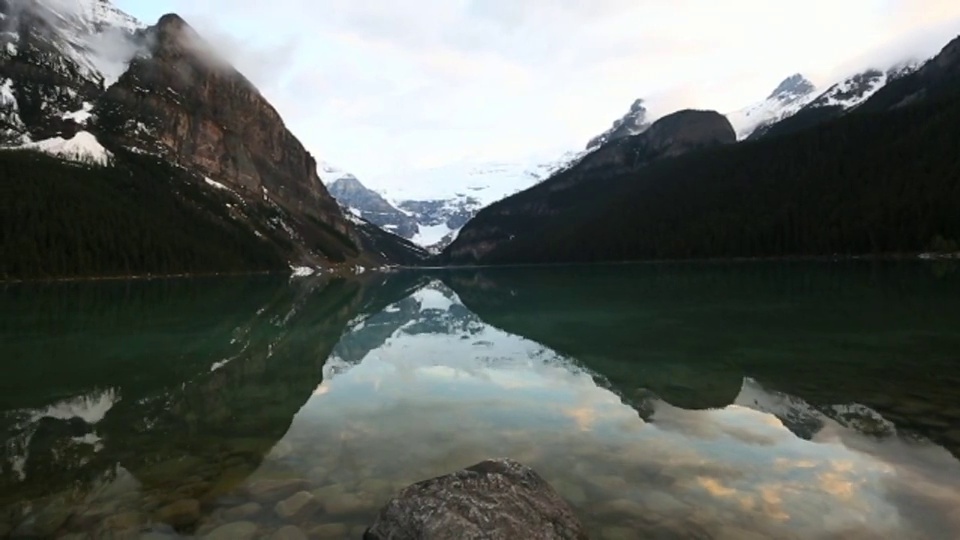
(714,401)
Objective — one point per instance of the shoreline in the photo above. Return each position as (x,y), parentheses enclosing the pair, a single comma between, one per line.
(919,256)
(336,272)
(136,277)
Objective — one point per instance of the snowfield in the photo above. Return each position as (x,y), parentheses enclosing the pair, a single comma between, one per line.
(81,148)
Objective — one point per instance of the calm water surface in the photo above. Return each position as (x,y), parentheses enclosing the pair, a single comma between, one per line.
(727,401)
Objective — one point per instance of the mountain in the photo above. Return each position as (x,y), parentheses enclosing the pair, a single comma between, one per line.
(857,88)
(632,123)
(524,218)
(155,105)
(388,246)
(55,60)
(371,206)
(879,180)
(791,95)
(429,206)
(936,80)
(838,99)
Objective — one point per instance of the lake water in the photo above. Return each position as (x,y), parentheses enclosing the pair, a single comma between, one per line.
(727,401)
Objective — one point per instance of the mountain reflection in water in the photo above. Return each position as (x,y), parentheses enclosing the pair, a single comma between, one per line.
(672,401)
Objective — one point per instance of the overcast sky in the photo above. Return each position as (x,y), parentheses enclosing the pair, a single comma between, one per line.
(381,85)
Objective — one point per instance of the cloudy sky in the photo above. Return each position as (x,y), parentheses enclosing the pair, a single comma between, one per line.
(384,85)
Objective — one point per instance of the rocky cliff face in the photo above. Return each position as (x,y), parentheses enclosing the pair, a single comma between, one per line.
(183,103)
(84,75)
(519,216)
(372,207)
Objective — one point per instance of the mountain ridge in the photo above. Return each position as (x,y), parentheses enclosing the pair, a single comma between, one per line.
(521,216)
(838,99)
(178,103)
(819,191)
(429,206)
(790,95)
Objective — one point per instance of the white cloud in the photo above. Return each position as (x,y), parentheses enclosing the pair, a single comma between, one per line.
(377,85)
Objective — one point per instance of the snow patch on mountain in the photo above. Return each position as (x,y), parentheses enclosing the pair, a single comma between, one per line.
(81,116)
(96,35)
(6,93)
(433,235)
(470,182)
(791,95)
(10,115)
(301,271)
(83,147)
(441,200)
(857,88)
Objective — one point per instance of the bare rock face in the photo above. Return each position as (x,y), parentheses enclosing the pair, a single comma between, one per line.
(182,102)
(494,499)
(161,97)
(689,130)
(372,206)
(208,117)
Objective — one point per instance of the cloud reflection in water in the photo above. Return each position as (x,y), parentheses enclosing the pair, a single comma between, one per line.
(444,390)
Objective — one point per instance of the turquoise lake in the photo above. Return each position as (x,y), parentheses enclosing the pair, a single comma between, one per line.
(717,401)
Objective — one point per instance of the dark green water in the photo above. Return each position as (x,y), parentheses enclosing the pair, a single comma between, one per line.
(727,401)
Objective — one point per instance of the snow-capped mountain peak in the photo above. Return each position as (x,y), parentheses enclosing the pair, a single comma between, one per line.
(96,35)
(791,95)
(429,206)
(857,88)
(791,89)
(632,123)
(81,48)
(796,95)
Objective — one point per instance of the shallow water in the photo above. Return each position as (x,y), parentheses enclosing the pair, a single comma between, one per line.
(801,400)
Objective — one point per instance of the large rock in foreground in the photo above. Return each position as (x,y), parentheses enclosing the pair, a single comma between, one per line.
(491,500)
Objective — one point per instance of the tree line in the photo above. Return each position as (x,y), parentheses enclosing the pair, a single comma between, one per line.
(137,216)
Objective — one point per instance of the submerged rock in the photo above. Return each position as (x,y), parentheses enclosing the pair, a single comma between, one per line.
(297,507)
(277,489)
(182,513)
(329,530)
(242,511)
(240,530)
(346,505)
(289,533)
(122,521)
(493,499)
